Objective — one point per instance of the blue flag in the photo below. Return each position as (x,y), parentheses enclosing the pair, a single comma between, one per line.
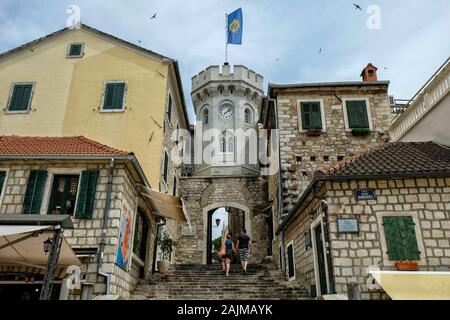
(234,27)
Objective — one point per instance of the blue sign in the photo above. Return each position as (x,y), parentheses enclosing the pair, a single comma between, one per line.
(364,194)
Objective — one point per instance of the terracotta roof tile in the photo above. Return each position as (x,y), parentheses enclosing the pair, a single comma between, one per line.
(55,146)
(395,158)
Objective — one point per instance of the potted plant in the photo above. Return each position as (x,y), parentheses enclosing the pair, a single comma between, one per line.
(166,244)
(360,131)
(406,265)
(314,132)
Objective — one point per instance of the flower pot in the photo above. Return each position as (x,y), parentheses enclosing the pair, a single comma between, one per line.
(163,266)
(361,132)
(314,133)
(406,266)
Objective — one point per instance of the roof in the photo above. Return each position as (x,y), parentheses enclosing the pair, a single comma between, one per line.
(394,159)
(56,146)
(176,67)
(327,84)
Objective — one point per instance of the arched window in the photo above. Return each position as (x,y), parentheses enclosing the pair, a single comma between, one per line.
(206,116)
(230,144)
(223,144)
(248,116)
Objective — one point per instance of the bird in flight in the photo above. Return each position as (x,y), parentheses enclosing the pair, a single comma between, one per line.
(278,59)
(320,50)
(357,6)
(154,16)
(140,41)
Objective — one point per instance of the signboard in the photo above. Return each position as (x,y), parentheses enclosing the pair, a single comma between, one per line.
(364,194)
(349,225)
(125,230)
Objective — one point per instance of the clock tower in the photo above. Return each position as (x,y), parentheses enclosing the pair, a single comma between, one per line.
(228,104)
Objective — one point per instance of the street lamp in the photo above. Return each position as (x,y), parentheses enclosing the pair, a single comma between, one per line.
(217,222)
(47,245)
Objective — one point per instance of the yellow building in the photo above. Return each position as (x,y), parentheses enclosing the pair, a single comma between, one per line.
(86,82)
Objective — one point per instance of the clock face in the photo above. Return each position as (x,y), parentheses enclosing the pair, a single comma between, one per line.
(226,111)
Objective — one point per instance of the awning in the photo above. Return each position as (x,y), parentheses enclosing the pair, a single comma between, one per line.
(164,205)
(23,244)
(414,285)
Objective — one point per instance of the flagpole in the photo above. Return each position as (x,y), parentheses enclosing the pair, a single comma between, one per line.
(226,38)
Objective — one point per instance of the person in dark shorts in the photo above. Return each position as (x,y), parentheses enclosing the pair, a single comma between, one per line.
(244,245)
(228,256)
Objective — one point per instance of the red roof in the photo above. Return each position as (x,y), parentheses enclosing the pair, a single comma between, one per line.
(55,146)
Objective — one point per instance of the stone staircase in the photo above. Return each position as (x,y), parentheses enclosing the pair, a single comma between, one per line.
(206,282)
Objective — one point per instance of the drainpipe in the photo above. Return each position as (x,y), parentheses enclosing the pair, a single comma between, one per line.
(100,270)
(280,188)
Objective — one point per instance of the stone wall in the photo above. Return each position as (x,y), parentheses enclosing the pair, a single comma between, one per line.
(202,194)
(86,232)
(426,200)
(301,154)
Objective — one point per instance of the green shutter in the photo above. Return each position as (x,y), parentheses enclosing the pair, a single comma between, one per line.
(21,97)
(166,167)
(75,50)
(311,116)
(409,240)
(393,240)
(34,193)
(357,114)
(2,180)
(86,195)
(114,96)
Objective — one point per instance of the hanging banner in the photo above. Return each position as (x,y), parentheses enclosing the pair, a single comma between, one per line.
(125,231)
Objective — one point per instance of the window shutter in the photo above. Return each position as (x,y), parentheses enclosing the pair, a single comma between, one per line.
(357,114)
(75,50)
(306,116)
(169,108)
(316,119)
(166,167)
(34,193)
(408,236)
(86,197)
(114,96)
(393,240)
(2,180)
(21,97)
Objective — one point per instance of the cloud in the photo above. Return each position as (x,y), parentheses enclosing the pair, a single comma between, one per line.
(412,42)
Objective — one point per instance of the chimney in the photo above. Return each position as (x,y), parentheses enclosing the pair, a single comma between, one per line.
(369,73)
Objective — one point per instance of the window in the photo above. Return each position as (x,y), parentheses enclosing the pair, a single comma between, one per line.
(291,262)
(114,96)
(226,141)
(340,158)
(140,235)
(326,158)
(223,144)
(75,50)
(357,114)
(2,183)
(247,116)
(169,108)
(206,116)
(34,193)
(313,158)
(401,238)
(63,194)
(166,166)
(86,197)
(21,97)
(299,159)
(311,115)
(174,187)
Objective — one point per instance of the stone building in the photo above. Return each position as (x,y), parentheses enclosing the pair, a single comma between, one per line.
(388,204)
(319,124)
(228,104)
(75,176)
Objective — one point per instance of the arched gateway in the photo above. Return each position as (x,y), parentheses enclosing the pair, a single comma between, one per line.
(226,172)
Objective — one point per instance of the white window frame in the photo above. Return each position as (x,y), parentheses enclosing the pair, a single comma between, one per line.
(125,91)
(417,229)
(319,220)
(70,46)
(291,243)
(299,113)
(3,188)
(344,106)
(51,172)
(11,92)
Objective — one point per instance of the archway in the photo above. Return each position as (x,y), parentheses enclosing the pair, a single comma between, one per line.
(221,219)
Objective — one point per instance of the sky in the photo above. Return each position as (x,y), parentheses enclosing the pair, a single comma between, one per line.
(286,41)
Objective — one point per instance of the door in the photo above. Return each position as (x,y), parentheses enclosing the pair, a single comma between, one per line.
(64,194)
(320,260)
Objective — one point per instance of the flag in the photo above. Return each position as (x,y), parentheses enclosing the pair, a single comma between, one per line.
(234,27)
